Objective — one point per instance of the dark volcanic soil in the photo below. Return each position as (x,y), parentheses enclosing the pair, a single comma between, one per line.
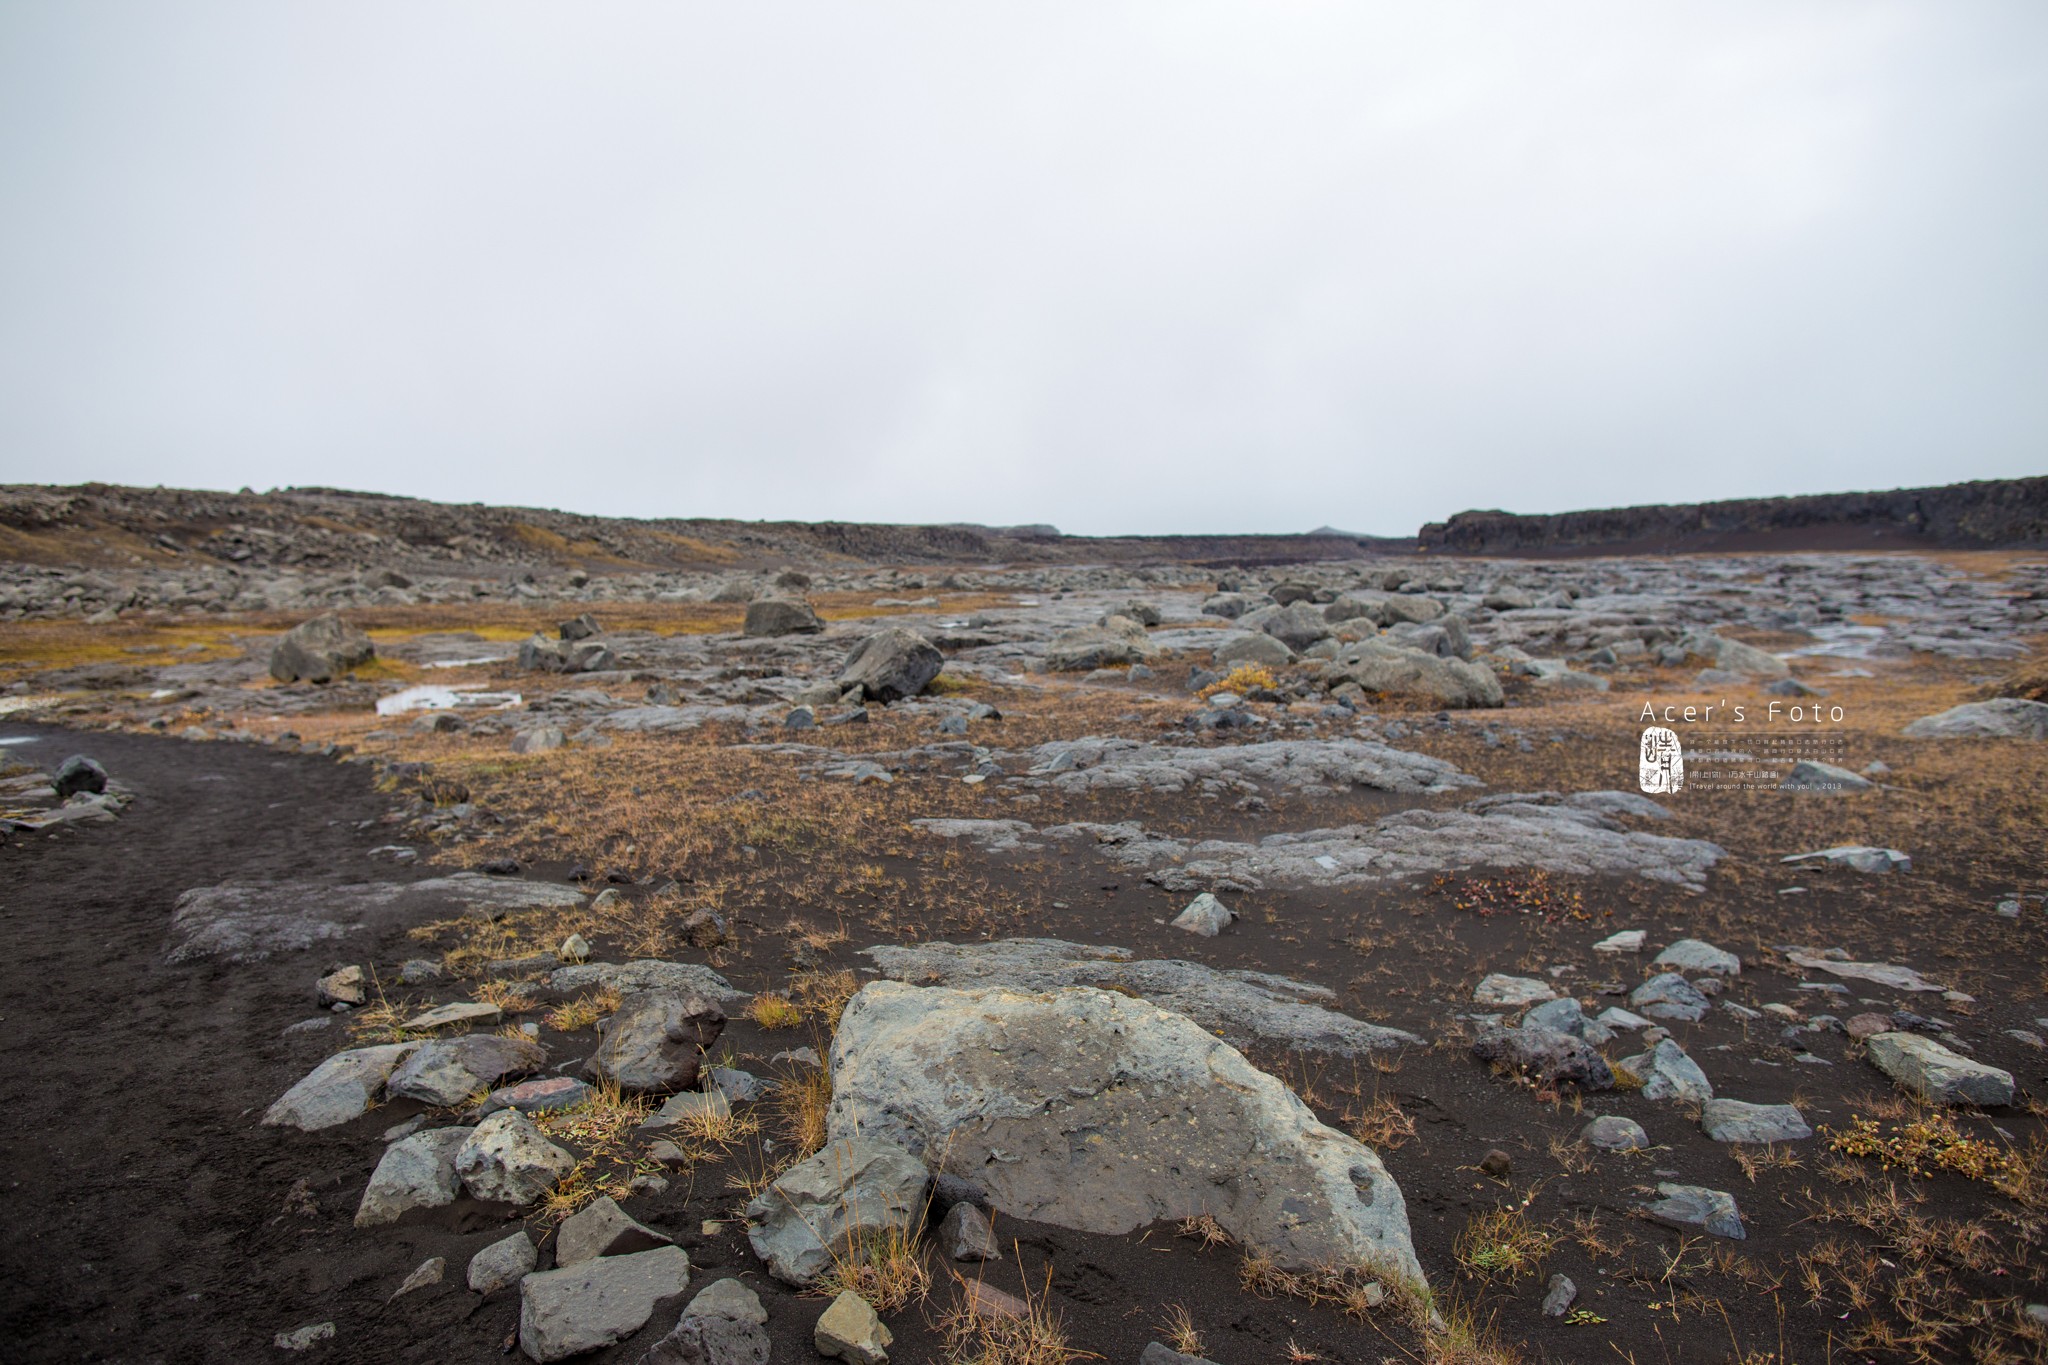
(151,1217)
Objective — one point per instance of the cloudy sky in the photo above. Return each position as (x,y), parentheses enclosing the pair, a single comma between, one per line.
(1120,267)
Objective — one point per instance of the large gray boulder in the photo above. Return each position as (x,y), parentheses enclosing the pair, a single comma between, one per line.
(507,1160)
(564,1313)
(1251,647)
(587,654)
(1242,1007)
(337,1090)
(2001,718)
(448,1071)
(655,1043)
(320,650)
(416,1172)
(1935,1073)
(857,1187)
(1094,1111)
(891,664)
(1297,626)
(1117,641)
(768,617)
(1733,656)
(1390,670)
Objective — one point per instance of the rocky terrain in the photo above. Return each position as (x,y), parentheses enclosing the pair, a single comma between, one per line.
(685,942)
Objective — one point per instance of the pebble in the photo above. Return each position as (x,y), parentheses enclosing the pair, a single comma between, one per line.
(430,1273)
(1558,1296)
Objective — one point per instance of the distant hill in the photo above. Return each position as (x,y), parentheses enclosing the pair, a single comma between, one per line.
(1990,514)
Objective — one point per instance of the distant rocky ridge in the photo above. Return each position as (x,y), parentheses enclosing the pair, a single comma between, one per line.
(1993,514)
(334,530)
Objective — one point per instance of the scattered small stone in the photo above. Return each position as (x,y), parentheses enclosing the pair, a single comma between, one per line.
(304,1337)
(1861,1026)
(1613,1133)
(1496,1165)
(503,1263)
(538,1097)
(1809,776)
(1156,1354)
(1667,1073)
(575,948)
(1558,1296)
(430,1273)
(724,1325)
(343,986)
(1935,1073)
(1205,915)
(688,1105)
(509,1161)
(455,1012)
(1695,1206)
(850,1331)
(1511,991)
(1695,955)
(1669,996)
(965,1234)
(415,1172)
(1627,941)
(1735,1121)
(78,774)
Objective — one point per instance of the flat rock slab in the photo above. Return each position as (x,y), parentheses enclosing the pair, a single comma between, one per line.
(1935,1073)
(644,974)
(455,1012)
(1695,1206)
(1099,765)
(240,922)
(1412,843)
(1697,956)
(1243,1007)
(1877,973)
(1735,1121)
(563,1313)
(1512,992)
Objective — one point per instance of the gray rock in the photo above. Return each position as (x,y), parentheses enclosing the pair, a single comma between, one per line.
(656,1042)
(772,616)
(1810,776)
(1669,996)
(891,664)
(1156,1354)
(343,986)
(429,1273)
(1735,1121)
(1241,1006)
(448,1071)
(1565,1015)
(416,1172)
(539,740)
(542,1096)
(1695,1206)
(1667,1073)
(78,774)
(688,1105)
(737,1086)
(2000,718)
(849,1330)
(1205,915)
(304,1338)
(507,1160)
(1385,669)
(563,1313)
(1095,765)
(965,1234)
(320,650)
(1858,857)
(602,1228)
(1119,641)
(337,1090)
(1935,1073)
(503,1263)
(724,1324)
(1558,1296)
(1511,992)
(248,922)
(1627,941)
(1547,1054)
(1732,656)
(1297,626)
(1613,1133)
(854,1188)
(1696,956)
(645,974)
(1090,1110)
(1251,647)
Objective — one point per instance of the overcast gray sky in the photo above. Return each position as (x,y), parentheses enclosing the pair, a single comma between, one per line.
(1120,267)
